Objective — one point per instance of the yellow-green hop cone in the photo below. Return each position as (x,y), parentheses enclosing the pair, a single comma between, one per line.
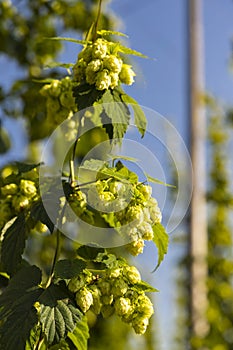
(136,247)
(84,299)
(123,306)
(140,324)
(113,63)
(96,294)
(79,70)
(145,306)
(146,231)
(132,274)
(146,191)
(28,188)
(100,48)
(55,88)
(92,68)
(103,80)
(135,214)
(114,273)
(95,65)
(155,213)
(119,287)
(86,54)
(41,228)
(19,203)
(114,79)
(127,74)
(78,282)
(9,189)
(105,287)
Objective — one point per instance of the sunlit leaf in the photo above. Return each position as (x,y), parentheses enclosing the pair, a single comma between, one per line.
(129,51)
(59,64)
(144,287)
(58,314)
(139,115)
(161,240)
(157,181)
(104,32)
(72,40)
(80,335)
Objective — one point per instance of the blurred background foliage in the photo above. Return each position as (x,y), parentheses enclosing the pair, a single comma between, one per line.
(219,313)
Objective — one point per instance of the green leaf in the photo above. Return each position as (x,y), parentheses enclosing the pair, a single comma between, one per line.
(24,168)
(13,244)
(4,280)
(93,164)
(61,346)
(139,116)
(58,314)
(5,142)
(88,252)
(128,51)
(116,113)
(72,40)
(17,314)
(122,173)
(144,287)
(161,240)
(80,334)
(59,64)
(157,181)
(86,95)
(34,338)
(39,213)
(43,81)
(109,260)
(104,32)
(67,269)
(130,159)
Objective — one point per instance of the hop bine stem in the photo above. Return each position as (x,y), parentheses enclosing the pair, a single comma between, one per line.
(58,247)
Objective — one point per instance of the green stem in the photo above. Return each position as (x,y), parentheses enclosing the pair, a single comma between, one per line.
(55,258)
(58,247)
(97,20)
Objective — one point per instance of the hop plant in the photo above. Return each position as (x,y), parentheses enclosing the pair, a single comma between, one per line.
(17,196)
(100,65)
(84,299)
(116,290)
(60,103)
(128,207)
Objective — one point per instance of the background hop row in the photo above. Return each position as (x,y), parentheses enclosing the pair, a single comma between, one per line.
(60,103)
(117,290)
(99,64)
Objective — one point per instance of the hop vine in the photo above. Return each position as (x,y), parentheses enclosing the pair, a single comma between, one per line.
(49,310)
